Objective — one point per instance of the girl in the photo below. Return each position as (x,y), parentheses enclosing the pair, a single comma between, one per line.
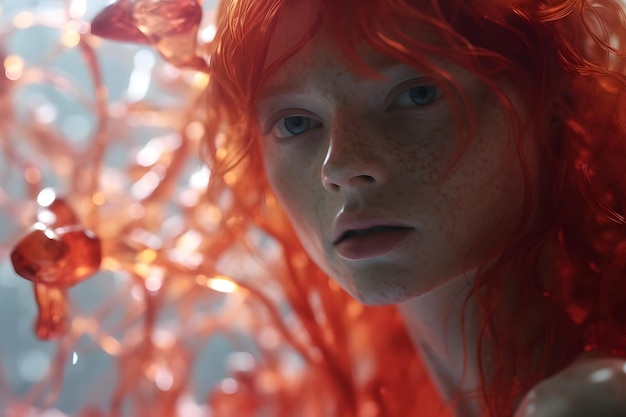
(459,159)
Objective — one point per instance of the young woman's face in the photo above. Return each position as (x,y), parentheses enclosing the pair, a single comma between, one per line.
(357,164)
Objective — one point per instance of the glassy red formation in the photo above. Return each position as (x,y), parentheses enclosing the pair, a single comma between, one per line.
(56,256)
(171,26)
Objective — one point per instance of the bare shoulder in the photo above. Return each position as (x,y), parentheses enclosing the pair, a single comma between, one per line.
(590,387)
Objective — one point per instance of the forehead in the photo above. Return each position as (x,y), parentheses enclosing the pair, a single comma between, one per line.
(321,56)
(295,21)
(307,35)
(321,67)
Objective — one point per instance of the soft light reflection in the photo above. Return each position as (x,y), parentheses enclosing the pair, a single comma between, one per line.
(269,338)
(71,34)
(194,130)
(153,283)
(13,67)
(212,214)
(189,198)
(46,231)
(32,175)
(147,255)
(136,293)
(219,284)
(53,412)
(186,250)
(144,59)
(164,379)
(136,211)
(190,241)
(98,199)
(46,113)
(23,20)
(241,362)
(208,33)
(163,338)
(142,269)
(229,386)
(601,375)
(220,154)
(188,407)
(200,80)
(77,9)
(74,358)
(110,345)
(230,178)
(146,238)
(141,76)
(46,197)
(531,409)
(145,185)
(150,154)
(188,260)
(200,178)
(110,264)
(138,85)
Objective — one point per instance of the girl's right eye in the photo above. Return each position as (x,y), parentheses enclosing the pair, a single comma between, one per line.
(294,126)
(418,96)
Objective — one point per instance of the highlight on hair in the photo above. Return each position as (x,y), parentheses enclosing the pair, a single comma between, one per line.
(568,59)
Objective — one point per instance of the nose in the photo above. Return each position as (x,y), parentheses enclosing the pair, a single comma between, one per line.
(355,158)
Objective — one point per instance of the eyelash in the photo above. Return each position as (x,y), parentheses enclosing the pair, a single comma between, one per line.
(280,130)
(282,123)
(402,99)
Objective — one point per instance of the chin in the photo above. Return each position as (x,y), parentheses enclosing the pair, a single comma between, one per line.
(382,295)
(385,289)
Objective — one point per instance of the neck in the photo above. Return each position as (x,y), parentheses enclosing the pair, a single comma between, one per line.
(446,343)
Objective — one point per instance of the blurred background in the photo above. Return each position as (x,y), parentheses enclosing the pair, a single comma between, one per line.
(46,106)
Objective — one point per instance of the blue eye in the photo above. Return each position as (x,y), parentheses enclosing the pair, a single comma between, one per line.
(417,96)
(297,125)
(294,126)
(423,94)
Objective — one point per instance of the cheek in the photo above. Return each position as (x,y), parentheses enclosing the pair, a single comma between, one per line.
(295,190)
(487,193)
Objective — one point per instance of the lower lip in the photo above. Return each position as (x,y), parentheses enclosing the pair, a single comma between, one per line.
(371,245)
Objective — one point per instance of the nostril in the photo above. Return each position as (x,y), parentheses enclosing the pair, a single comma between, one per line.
(363,179)
(356,182)
(329,184)
(344,167)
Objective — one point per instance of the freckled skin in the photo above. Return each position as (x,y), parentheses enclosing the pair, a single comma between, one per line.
(367,158)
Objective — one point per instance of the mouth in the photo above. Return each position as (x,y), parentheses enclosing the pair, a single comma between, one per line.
(370,242)
(369,231)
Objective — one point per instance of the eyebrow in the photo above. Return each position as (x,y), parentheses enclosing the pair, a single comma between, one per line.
(271,92)
(386,66)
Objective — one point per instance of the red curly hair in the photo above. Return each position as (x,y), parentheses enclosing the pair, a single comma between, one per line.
(568,57)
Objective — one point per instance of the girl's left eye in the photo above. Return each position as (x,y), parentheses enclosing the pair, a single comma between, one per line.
(294,126)
(421,95)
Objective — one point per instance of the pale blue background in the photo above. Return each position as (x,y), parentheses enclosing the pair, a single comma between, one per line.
(23,359)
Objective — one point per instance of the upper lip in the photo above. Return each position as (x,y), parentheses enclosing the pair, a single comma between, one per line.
(345,223)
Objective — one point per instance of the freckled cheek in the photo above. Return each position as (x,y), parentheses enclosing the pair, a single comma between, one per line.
(484,199)
(297,191)
(420,147)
